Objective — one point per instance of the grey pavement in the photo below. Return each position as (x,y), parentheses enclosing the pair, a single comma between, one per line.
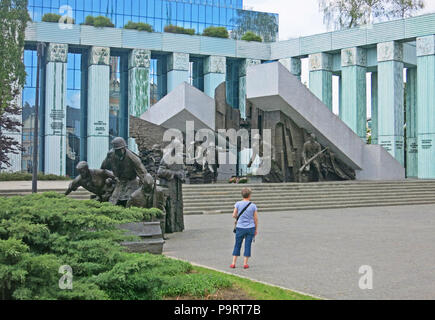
(320,252)
(27,185)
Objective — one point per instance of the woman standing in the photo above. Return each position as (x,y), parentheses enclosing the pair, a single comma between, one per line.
(245,213)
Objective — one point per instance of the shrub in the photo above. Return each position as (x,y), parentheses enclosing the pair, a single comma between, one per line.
(217,32)
(139,26)
(98,22)
(53,17)
(41,232)
(24,176)
(250,36)
(176,29)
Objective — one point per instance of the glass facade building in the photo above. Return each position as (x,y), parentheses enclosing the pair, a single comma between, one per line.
(196,14)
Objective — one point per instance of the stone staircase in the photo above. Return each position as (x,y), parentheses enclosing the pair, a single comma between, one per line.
(220,198)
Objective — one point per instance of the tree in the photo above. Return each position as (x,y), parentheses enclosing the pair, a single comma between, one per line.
(405,8)
(342,14)
(250,36)
(13,22)
(216,32)
(260,23)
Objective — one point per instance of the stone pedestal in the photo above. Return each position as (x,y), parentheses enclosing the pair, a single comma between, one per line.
(98,105)
(321,77)
(390,99)
(214,74)
(55,109)
(149,235)
(353,110)
(178,69)
(426,106)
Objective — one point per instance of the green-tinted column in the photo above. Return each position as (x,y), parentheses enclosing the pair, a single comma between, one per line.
(138,85)
(178,69)
(321,77)
(293,65)
(98,105)
(353,110)
(374,98)
(55,109)
(391,98)
(411,124)
(426,106)
(215,69)
(242,84)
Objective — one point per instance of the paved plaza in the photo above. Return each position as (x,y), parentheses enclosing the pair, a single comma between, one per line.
(320,252)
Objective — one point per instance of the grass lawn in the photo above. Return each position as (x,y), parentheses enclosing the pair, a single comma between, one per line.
(245,289)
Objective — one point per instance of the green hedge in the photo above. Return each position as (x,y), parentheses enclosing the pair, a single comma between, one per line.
(217,32)
(99,22)
(176,29)
(53,17)
(250,36)
(139,26)
(41,232)
(24,176)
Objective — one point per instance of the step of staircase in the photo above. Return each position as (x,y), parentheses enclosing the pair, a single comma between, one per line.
(220,198)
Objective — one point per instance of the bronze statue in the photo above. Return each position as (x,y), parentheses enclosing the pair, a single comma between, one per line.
(312,155)
(98,181)
(335,169)
(171,177)
(274,175)
(127,168)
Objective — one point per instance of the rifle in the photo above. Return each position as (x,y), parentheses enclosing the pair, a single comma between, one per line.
(312,159)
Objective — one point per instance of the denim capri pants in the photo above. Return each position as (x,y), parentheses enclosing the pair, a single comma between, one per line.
(248,235)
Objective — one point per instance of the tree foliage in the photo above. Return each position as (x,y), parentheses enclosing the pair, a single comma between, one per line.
(250,36)
(139,26)
(260,23)
(57,18)
(342,14)
(180,30)
(217,32)
(42,232)
(99,22)
(13,21)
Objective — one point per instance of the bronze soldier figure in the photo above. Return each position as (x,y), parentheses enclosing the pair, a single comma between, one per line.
(99,181)
(128,169)
(311,149)
(171,177)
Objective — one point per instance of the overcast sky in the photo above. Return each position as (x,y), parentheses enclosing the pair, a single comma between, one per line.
(301,17)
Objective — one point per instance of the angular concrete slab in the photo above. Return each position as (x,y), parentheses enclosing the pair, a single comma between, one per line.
(271,87)
(184,103)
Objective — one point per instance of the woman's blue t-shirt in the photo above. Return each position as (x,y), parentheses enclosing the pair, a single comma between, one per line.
(246,221)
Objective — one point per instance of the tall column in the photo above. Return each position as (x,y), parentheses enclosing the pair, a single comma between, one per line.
(55,109)
(98,105)
(242,84)
(215,70)
(178,69)
(353,110)
(15,159)
(374,99)
(321,77)
(138,86)
(390,99)
(426,106)
(411,124)
(293,65)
